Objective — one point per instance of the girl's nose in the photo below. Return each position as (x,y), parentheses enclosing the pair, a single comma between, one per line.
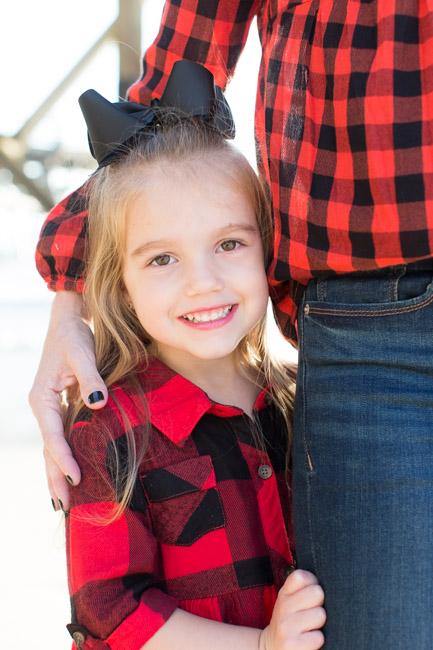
(203,277)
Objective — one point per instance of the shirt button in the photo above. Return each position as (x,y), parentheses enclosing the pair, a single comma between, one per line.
(288,570)
(78,637)
(265,471)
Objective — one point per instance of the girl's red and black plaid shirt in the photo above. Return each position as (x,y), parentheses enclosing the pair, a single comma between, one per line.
(208,528)
(344,121)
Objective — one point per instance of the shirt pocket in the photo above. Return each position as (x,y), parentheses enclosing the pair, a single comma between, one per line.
(184,501)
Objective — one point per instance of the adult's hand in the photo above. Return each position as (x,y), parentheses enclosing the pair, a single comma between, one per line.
(68,357)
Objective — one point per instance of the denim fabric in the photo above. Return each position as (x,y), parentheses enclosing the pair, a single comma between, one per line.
(363,455)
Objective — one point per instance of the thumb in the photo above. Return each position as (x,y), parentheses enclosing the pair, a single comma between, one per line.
(92,387)
(298,580)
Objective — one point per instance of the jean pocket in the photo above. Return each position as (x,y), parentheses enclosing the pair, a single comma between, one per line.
(183,501)
(340,306)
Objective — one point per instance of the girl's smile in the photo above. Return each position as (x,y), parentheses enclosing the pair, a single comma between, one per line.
(208,318)
(194,268)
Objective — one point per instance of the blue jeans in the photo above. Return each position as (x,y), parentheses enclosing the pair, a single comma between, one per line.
(363,455)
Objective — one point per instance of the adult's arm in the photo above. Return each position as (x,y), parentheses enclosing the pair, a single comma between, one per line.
(212,33)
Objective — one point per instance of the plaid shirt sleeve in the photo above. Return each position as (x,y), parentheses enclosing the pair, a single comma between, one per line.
(60,250)
(113,598)
(210,32)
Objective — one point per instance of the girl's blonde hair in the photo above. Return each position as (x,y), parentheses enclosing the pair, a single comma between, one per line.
(122,346)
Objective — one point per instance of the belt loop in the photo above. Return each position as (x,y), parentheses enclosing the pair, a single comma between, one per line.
(393,281)
(321,289)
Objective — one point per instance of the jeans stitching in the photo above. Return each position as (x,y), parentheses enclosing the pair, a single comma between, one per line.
(306,452)
(368,313)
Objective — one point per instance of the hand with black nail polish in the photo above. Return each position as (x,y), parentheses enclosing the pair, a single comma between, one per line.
(68,357)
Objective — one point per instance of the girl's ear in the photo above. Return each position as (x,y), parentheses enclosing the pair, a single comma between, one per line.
(127,298)
(128,301)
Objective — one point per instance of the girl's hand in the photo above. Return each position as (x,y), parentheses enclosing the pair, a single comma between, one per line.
(297,617)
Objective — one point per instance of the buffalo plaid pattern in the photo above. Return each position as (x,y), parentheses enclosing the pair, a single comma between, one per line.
(208,526)
(344,122)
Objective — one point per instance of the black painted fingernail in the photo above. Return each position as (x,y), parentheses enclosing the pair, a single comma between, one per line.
(61,506)
(70,481)
(96,396)
(54,505)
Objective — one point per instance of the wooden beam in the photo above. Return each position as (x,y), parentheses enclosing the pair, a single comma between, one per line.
(128,34)
(15,165)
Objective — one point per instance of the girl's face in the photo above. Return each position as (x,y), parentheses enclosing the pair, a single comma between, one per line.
(194,268)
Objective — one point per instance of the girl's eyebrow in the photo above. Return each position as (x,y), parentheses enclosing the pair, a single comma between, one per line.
(149,245)
(236,226)
(164,243)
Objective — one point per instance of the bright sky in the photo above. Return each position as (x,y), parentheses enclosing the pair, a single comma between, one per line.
(43,40)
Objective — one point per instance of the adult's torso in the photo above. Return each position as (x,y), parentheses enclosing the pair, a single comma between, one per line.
(345,125)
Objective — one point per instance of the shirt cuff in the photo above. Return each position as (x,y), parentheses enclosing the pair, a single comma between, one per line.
(135,630)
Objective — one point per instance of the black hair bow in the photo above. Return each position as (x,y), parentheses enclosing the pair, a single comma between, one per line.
(190,88)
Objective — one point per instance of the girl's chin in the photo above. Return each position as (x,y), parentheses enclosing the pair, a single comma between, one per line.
(177,357)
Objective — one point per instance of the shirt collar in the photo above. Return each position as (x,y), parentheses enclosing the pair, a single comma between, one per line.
(176,405)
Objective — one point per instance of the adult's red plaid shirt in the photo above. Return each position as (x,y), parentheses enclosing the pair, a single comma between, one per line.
(208,526)
(344,121)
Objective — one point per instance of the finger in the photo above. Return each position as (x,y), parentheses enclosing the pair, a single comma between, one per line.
(57,484)
(61,459)
(310,640)
(307,620)
(46,407)
(92,388)
(306,598)
(80,359)
(297,580)
(53,495)
(60,484)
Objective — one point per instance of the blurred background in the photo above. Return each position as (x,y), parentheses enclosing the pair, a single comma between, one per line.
(51,52)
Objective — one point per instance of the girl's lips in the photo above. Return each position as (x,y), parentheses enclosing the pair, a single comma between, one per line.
(210,324)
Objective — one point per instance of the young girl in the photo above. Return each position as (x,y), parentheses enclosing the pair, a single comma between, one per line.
(179,534)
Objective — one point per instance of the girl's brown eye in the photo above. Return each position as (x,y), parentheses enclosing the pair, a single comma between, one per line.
(161,260)
(229,245)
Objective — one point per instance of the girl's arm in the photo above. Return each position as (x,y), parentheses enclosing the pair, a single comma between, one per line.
(295,625)
(185,631)
(113,559)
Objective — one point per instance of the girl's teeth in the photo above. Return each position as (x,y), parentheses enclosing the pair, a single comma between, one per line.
(205,317)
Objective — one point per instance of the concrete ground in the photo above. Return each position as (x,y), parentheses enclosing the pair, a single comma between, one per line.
(34,603)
